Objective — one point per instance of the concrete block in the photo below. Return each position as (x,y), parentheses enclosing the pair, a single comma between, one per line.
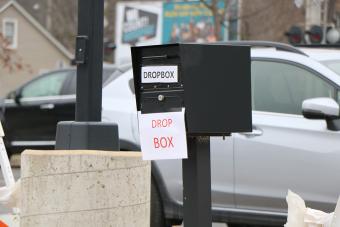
(85,188)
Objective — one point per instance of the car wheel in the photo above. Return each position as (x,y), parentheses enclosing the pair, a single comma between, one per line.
(157,214)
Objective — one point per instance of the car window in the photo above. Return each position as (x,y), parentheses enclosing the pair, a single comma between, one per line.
(70,89)
(281,87)
(107,72)
(334,65)
(48,85)
(114,75)
(132,85)
(108,75)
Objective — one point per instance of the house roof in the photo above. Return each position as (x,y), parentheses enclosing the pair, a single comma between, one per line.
(37,25)
(3,2)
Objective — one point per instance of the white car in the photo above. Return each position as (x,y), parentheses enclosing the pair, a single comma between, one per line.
(252,172)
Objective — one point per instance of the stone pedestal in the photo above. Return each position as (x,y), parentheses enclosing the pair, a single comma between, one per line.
(85,188)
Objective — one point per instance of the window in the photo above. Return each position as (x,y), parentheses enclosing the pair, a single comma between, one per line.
(10,32)
(333,65)
(49,85)
(132,86)
(108,76)
(281,88)
(71,87)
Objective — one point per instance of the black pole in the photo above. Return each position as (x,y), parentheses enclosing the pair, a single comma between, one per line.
(197,183)
(89,71)
(88,132)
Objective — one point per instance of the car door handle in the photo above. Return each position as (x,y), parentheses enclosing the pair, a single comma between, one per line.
(49,106)
(256,132)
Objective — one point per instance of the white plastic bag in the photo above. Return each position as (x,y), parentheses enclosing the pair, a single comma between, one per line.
(301,216)
(317,218)
(296,210)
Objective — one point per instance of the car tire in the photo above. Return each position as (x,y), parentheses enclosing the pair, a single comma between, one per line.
(157,214)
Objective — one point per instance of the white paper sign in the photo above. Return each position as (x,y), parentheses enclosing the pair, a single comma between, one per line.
(2,134)
(163,135)
(4,162)
(160,74)
(5,165)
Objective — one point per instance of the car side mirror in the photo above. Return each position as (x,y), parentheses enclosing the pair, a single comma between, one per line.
(320,108)
(11,95)
(17,98)
(15,95)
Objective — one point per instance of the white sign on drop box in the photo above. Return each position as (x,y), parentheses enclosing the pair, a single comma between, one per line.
(163,135)
(160,74)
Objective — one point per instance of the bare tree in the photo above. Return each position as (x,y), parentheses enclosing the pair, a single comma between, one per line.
(219,14)
(331,11)
(59,17)
(224,16)
(9,59)
(63,21)
(269,19)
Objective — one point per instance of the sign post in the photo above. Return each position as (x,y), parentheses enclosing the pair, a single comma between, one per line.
(197,183)
(185,93)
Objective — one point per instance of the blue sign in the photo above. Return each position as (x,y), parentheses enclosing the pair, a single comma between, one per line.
(189,22)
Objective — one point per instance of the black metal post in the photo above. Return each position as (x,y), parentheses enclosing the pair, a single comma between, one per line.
(89,74)
(88,132)
(197,183)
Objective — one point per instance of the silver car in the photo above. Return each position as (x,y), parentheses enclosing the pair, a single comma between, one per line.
(252,172)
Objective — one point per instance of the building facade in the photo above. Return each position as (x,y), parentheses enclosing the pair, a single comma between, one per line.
(32,47)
